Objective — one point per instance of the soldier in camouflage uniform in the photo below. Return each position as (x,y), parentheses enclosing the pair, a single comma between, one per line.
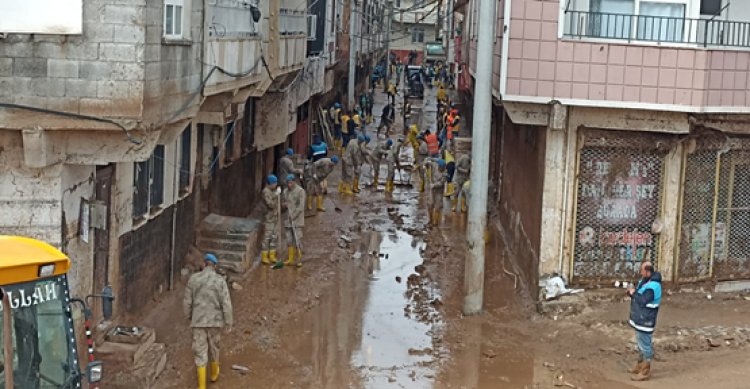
(315,174)
(392,163)
(437,177)
(351,162)
(294,202)
(463,171)
(286,167)
(208,306)
(378,153)
(271,206)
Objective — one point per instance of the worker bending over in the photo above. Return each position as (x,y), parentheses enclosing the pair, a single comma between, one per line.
(315,174)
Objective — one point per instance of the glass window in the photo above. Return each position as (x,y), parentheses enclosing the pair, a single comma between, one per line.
(43,348)
(173,10)
(663,22)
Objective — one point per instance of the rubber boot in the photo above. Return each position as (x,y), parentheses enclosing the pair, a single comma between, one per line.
(272,256)
(309,203)
(341,187)
(421,185)
(299,258)
(264,258)
(454,202)
(320,203)
(214,371)
(376,181)
(644,374)
(389,186)
(463,204)
(201,377)
(449,189)
(355,185)
(347,190)
(290,256)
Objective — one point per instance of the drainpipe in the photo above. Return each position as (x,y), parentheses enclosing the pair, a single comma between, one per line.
(566,193)
(7,340)
(506,43)
(175,197)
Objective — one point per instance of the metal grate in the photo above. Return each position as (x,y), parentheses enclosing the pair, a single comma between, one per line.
(715,238)
(732,236)
(697,215)
(617,201)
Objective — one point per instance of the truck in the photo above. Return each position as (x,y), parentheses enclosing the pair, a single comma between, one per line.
(37,332)
(434,52)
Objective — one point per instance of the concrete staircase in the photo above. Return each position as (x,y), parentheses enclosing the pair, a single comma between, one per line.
(234,240)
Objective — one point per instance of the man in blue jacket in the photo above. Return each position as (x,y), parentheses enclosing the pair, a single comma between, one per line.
(644,307)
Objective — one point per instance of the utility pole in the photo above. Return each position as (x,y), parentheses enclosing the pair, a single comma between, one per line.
(438,22)
(388,47)
(352,54)
(480,153)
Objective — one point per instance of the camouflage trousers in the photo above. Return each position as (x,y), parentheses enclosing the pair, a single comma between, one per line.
(290,236)
(206,344)
(435,199)
(269,236)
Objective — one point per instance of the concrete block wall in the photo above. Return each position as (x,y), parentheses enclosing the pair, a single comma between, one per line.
(172,67)
(95,73)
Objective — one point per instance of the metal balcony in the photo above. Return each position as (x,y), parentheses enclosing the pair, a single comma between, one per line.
(644,28)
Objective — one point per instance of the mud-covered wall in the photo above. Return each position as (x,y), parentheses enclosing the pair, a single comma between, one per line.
(520,198)
(235,189)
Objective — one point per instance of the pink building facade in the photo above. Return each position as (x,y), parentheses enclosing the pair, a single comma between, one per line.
(626,127)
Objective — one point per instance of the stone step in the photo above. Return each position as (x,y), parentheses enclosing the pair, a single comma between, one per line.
(223,244)
(213,234)
(227,256)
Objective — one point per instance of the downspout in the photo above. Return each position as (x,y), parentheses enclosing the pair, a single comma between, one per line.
(566,193)
(506,43)
(175,198)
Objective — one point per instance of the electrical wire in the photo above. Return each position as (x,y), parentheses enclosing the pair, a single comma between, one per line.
(73,116)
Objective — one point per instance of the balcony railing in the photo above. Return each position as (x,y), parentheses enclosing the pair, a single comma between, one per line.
(292,22)
(704,32)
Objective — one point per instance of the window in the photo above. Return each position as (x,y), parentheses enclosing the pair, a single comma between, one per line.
(417,35)
(248,126)
(173,15)
(398,3)
(148,183)
(186,149)
(661,22)
(710,7)
(229,142)
(312,27)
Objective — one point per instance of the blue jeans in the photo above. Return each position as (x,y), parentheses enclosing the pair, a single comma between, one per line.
(644,345)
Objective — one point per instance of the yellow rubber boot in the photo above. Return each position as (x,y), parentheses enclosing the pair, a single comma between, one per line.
(320,204)
(454,202)
(272,256)
(290,256)
(355,185)
(341,187)
(309,203)
(421,185)
(389,186)
(449,189)
(375,181)
(264,258)
(214,371)
(347,189)
(299,258)
(463,204)
(201,377)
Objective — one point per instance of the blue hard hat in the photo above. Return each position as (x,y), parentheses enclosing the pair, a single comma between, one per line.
(272,179)
(389,142)
(289,151)
(337,105)
(335,159)
(441,163)
(211,258)
(290,177)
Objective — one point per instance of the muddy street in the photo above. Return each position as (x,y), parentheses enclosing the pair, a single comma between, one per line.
(378,301)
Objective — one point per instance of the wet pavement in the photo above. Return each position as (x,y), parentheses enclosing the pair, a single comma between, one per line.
(377,305)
